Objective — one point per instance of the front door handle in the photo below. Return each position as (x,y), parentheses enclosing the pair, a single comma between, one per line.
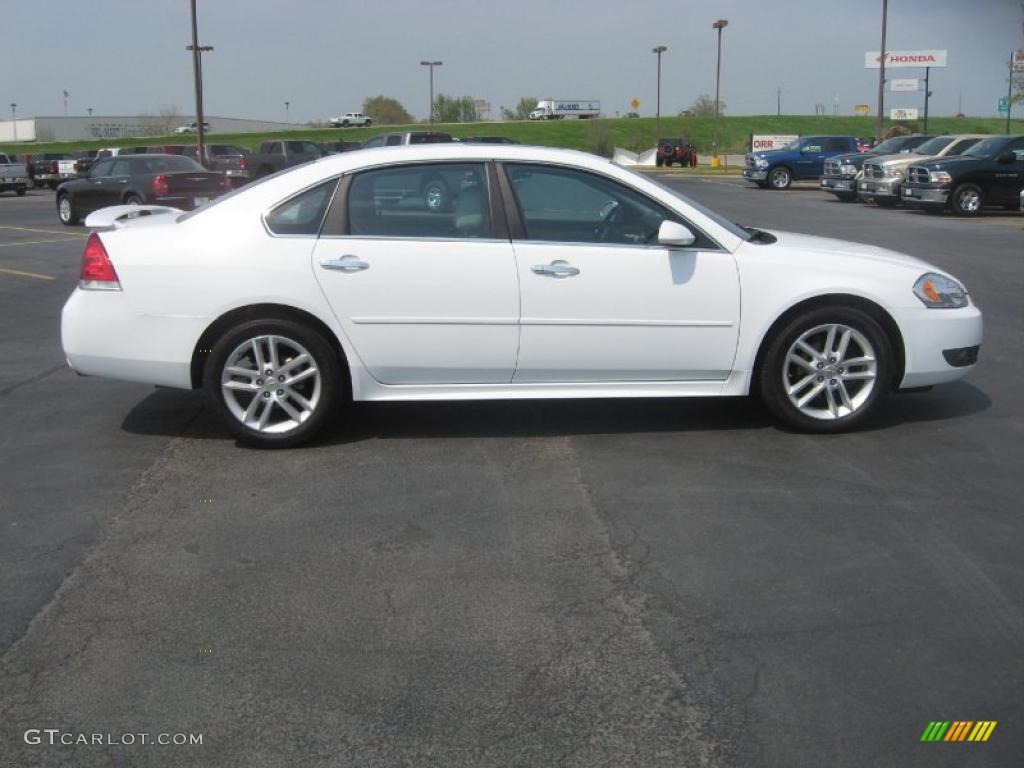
(557,268)
(347,263)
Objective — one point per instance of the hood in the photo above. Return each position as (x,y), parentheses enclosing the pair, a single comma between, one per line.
(827,246)
(900,159)
(941,163)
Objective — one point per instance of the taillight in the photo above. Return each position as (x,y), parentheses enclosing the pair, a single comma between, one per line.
(53,166)
(98,272)
(160,185)
(243,163)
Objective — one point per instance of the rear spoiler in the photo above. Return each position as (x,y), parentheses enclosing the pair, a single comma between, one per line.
(117,216)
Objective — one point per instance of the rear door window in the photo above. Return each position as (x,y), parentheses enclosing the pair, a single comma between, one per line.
(302,214)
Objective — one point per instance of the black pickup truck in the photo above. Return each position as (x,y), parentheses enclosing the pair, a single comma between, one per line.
(991,173)
(841,171)
(274,156)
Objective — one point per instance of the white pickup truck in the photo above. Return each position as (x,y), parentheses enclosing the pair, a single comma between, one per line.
(12,175)
(351,120)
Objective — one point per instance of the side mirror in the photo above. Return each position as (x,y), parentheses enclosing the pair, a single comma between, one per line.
(1006,157)
(672,233)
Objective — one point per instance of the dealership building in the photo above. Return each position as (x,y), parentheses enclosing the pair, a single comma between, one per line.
(120,127)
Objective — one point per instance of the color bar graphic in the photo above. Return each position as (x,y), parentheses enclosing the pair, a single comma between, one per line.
(958,730)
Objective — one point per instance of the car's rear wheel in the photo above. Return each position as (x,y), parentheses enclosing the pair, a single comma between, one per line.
(20,191)
(66,211)
(780,178)
(659,162)
(345,123)
(826,370)
(967,200)
(275,383)
(133,200)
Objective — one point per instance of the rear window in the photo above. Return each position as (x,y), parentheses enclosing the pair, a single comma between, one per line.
(166,164)
(429,138)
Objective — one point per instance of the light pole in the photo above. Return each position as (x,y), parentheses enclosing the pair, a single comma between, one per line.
(719,25)
(65,103)
(431,64)
(778,101)
(89,110)
(927,95)
(197,74)
(14,120)
(658,50)
(287,104)
(881,74)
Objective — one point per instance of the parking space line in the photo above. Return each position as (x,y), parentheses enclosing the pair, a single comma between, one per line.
(18,272)
(36,229)
(40,242)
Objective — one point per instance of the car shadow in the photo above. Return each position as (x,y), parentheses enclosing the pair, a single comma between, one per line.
(175,413)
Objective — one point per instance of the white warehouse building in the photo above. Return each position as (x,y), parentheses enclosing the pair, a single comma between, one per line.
(42,129)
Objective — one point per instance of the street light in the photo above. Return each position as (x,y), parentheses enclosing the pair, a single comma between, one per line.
(65,103)
(431,64)
(286,105)
(659,50)
(89,110)
(881,75)
(719,25)
(14,120)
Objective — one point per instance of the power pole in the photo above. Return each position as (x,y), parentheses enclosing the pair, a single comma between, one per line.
(197,74)
(1009,95)
(778,101)
(881,74)
(927,93)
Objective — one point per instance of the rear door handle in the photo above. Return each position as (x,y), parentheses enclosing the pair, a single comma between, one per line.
(557,268)
(347,263)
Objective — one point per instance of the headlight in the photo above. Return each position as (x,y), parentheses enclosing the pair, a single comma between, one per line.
(940,177)
(762,163)
(940,292)
(848,170)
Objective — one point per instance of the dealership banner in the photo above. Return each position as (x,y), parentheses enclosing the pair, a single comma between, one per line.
(894,59)
(903,113)
(761,142)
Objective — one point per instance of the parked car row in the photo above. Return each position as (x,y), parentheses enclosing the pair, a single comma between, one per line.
(964,173)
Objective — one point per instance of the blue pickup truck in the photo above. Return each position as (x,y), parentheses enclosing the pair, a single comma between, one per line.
(800,160)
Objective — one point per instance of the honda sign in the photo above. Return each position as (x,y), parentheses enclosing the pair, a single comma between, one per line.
(894,59)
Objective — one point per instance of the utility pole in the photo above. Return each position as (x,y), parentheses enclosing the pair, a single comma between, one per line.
(197,74)
(778,101)
(927,93)
(881,74)
(65,103)
(1009,95)
(287,104)
(719,25)
(14,120)
(658,50)
(431,64)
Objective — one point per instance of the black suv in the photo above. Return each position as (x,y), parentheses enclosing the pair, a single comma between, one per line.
(675,151)
(991,173)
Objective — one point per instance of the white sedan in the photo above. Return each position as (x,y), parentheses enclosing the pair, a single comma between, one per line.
(473,271)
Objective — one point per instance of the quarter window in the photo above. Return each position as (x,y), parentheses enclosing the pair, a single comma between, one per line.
(304,213)
(565,205)
(439,200)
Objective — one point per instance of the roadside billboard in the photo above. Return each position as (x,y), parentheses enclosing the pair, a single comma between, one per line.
(761,142)
(903,113)
(897,59)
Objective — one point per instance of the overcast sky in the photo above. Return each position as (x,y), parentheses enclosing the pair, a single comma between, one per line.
(124,57)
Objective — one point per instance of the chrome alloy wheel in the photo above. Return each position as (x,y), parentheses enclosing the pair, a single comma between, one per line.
(271,384)
(780,178)
(64,209)
(969,201)
(830,371)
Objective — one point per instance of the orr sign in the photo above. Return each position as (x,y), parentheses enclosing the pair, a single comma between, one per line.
(897,59)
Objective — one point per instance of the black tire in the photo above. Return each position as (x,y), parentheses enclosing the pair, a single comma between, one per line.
(780,177)
(436,197)
(325,358)
(846,197)
(762,184)
(368,123)
(133,199)
(66,213)
(967,200)
(344,123)
(776,373)
(20,191)
(668,162)
(658,162)
(886,202)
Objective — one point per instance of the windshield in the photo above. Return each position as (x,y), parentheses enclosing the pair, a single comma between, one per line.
(933,146)
(987,147)
(794,144)
(732,227)
(889,146)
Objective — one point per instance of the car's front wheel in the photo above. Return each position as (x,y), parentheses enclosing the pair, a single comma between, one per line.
(66,211)
(826,370)
(275,383)
(967,200)
(780,178)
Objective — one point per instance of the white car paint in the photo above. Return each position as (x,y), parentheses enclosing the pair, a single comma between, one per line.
(469,319)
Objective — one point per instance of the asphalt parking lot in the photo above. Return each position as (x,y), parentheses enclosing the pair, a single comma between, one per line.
(600,583)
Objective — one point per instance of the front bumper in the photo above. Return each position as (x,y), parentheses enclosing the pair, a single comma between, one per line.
(934,337)
(754,174)
(889,188)
(838,184)
(925,195)
(103,335)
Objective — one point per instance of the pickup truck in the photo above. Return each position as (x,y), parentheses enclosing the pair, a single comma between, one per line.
(401,138)
(883,175)
(351,119)
(801,160)
(274,156)
(989,173)
(46,169)
(228,159)
(12,175)
(842,171)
